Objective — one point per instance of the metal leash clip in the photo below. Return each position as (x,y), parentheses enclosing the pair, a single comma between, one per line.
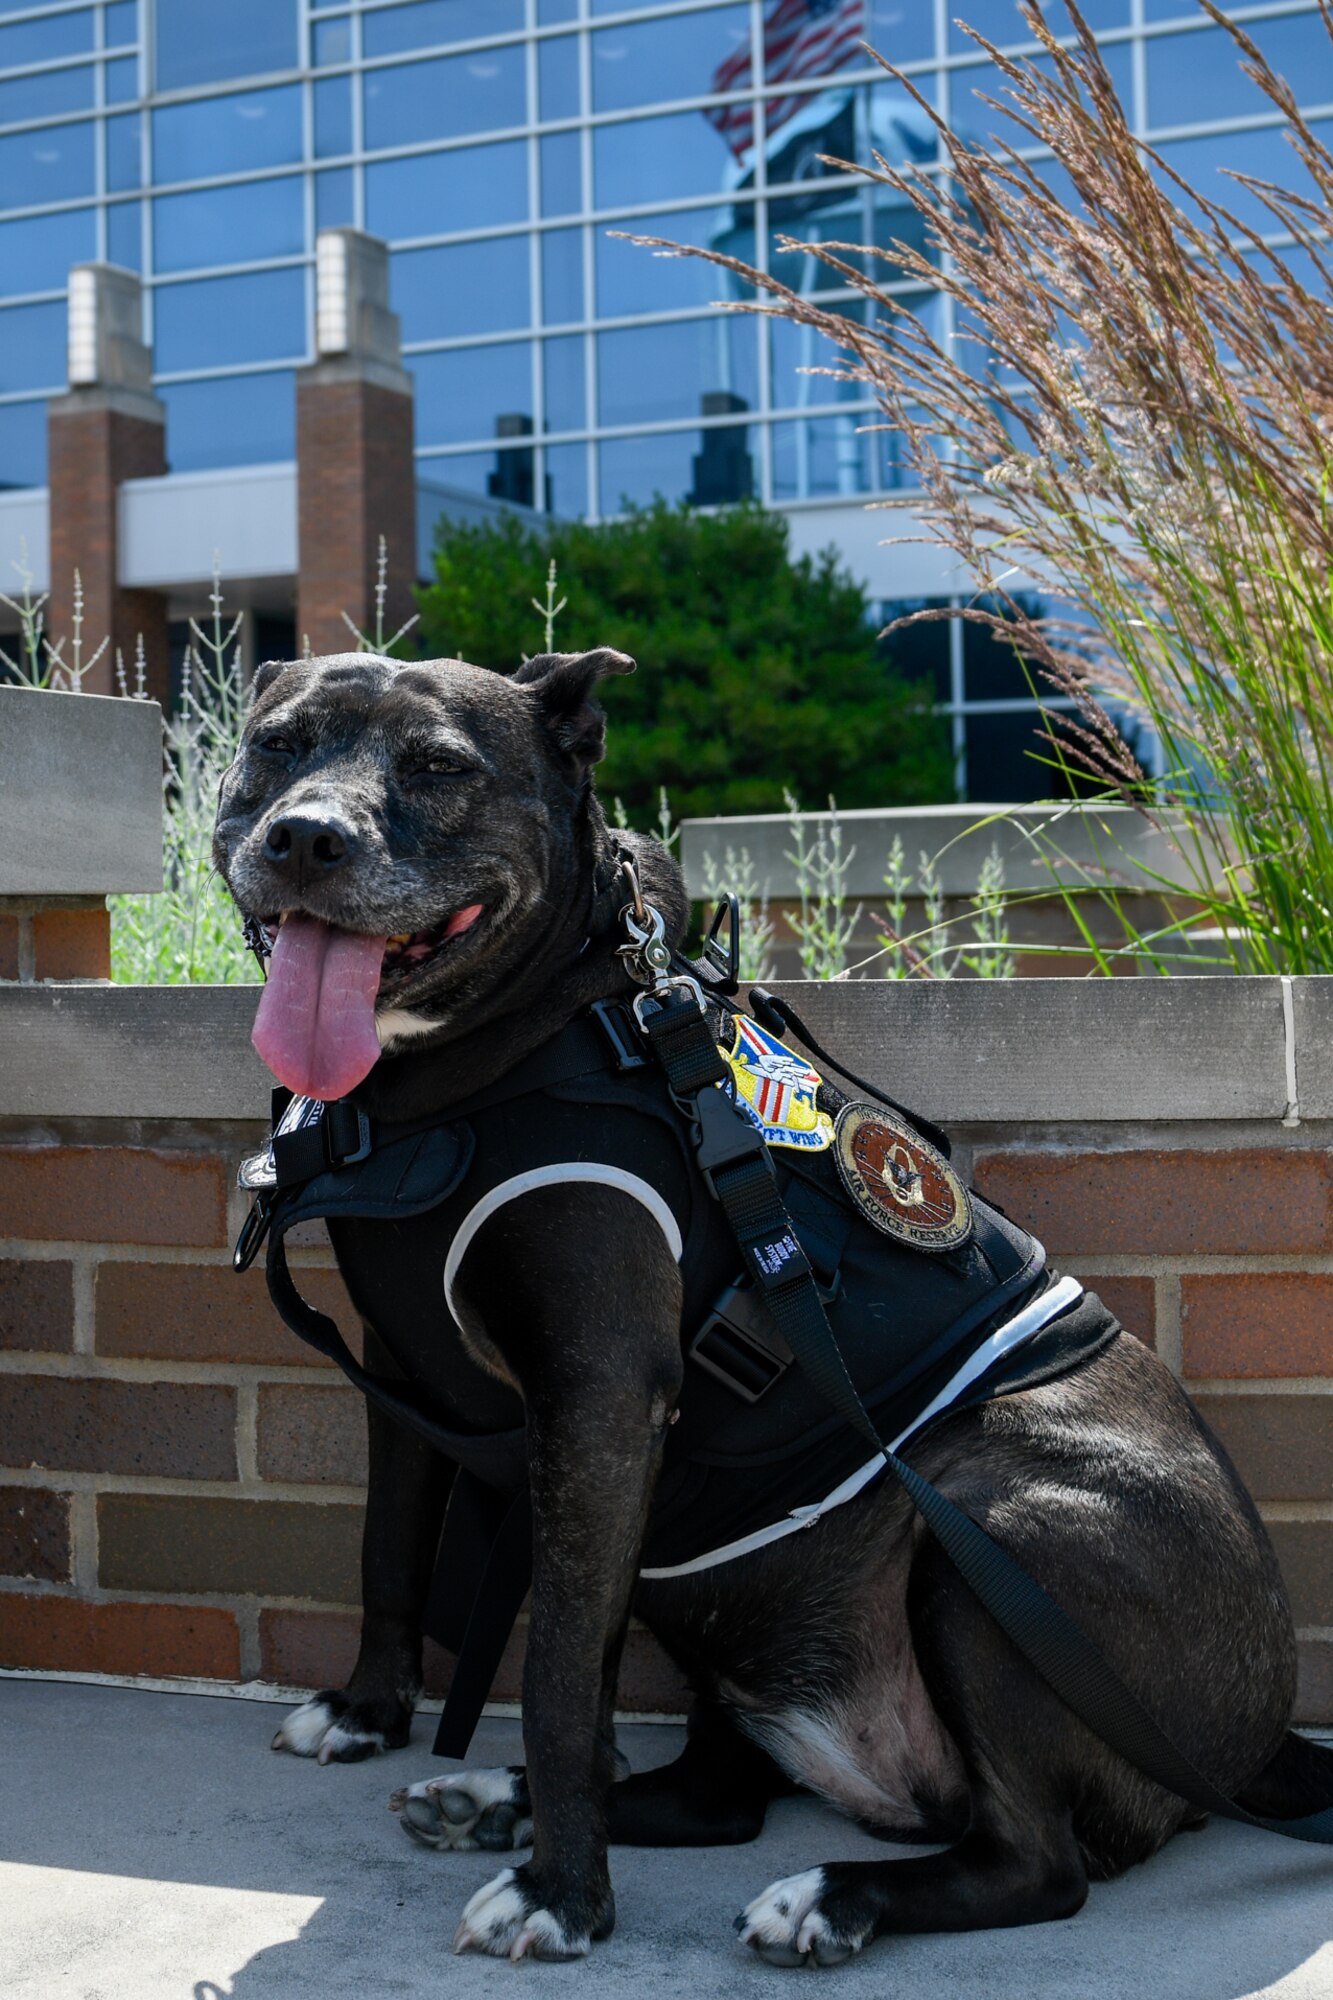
(647,953)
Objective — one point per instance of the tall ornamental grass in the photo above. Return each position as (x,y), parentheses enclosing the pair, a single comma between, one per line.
(1136,418)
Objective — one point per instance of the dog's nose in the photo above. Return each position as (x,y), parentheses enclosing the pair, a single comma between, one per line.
(308,846)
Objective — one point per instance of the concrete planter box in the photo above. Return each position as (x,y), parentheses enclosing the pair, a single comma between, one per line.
(1040,846)
(80,794)
(181,1480)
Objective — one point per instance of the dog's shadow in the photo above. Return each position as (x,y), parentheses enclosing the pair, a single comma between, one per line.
(159,1801)
(1221,1915)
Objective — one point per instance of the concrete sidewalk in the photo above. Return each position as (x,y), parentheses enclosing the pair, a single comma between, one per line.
(151,1848)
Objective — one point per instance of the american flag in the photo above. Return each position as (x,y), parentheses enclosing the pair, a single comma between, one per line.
(801,38)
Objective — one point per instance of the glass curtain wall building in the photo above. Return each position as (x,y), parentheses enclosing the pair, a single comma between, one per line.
(496,144)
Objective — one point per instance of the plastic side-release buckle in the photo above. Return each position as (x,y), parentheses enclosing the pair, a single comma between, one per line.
(739,1344)
(726,1136)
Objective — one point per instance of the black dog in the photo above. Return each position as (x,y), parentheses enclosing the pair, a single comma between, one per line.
(430,840)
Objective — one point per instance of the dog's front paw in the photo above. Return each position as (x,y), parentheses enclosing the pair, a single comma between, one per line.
(488,1809)
(340,1730)
(507,1920)
(795,1922)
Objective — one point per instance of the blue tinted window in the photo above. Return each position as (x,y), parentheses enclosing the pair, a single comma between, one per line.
(194,46)
(658,159)
(646,373)
(124,234)
(207,324)
(658,61)
(249,420)
(40,41)
(462,288)
(902,30)
(331,42)
(1000,21)
(335,198)
(1196,77)
(122,80)
(550,12)
(46,96)
(1208,162)
(224,135)
(22,444)
(849,125)
(32,347)
(333,116)
(562,276)
(631,279)
(433,22)
(565,389)
(633,471)
(561,173)
(472,187)
(229,225)
(124,154)
(494,474)
(121,26)
(462,394)
(37,251)
(558,77)
(445,98)
(55,163)
(819,458)
(567,480)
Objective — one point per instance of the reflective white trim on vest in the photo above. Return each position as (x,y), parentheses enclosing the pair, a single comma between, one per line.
(562,1174)
(1013,1333)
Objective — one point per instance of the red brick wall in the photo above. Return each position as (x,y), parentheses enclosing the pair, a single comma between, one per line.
(357,481)
(182,1492)
(92,449)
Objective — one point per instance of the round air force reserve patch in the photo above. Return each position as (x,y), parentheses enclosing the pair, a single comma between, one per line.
(899,1182)
(777,1091)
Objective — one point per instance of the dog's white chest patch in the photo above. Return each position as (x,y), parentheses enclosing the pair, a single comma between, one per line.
(400,1024)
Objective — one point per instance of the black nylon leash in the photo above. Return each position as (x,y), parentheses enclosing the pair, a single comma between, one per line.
(734,1161)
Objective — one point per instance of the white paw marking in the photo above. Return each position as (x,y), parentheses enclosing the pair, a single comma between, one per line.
(313,1731)
(443,1812)
(787,1918)
(304,1729)
(494,1921)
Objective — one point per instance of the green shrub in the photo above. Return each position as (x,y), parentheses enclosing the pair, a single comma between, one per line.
(757,672)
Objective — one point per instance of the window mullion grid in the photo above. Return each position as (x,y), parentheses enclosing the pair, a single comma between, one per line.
(537,303)
(308,175)
(103,135)
(759,131)
(591,399)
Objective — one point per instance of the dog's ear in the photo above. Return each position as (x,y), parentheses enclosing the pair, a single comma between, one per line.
(265,675)
(563,684)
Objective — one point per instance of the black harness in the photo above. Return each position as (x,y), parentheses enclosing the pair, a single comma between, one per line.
(787,1288)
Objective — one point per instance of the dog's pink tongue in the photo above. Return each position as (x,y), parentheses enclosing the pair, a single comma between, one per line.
(316,1022)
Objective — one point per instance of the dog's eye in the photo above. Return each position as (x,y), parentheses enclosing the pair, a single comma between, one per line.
(280,746)
(440,767)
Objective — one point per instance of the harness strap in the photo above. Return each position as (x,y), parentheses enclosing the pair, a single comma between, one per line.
(1047,1636)
(490,1455)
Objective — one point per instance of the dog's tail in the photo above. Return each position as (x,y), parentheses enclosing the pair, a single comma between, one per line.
(1297,1781)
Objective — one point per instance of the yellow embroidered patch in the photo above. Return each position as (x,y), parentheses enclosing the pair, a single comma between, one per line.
(777,1091)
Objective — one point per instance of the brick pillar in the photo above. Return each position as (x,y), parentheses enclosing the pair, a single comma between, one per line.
(355,467)
(108,428)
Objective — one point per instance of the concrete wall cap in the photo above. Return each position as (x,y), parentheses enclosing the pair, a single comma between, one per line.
(80,793)
(1111,842)
(962,1051)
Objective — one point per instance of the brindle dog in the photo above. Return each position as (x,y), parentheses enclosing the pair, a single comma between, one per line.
(430,838)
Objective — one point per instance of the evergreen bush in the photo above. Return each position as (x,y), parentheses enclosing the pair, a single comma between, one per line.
(759,672)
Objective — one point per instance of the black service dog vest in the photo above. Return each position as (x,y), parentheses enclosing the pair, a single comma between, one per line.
(754,1455)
